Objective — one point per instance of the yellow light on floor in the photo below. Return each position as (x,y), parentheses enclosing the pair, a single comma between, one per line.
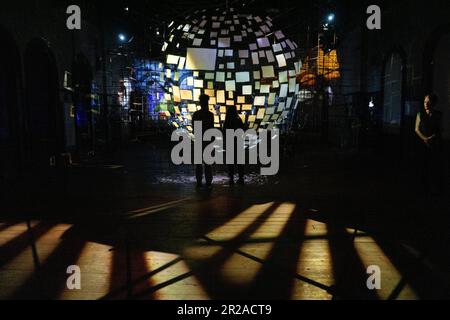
(95,264)
(22,267)
(238,224)
(370,254)
(314,263)
(187,288)
(241,270)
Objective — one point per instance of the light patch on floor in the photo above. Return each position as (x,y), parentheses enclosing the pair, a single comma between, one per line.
(238,224)
(187,288)
(15,273)
(14,231)
(315,229)
(274,225)
(201,251)
(370,254)
(241,270)
(305,291)
(95,264)
(315,262)
(155,209)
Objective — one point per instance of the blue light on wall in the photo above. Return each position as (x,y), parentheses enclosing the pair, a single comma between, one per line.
(150,83)
(81,115)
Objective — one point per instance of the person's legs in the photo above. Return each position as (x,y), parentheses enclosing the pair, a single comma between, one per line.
(208,175)
(241,174)
(231,173)
(199,174)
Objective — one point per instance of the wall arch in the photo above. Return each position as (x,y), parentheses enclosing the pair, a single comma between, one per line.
(84,117)
(10,84)
(45,131)
(393,84)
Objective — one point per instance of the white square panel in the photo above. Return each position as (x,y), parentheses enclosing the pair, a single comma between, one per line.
(201,59)
(243,53)
(265,88)
(230,85)
(268,72)
(197,42)
(198,84)
(270,57)
(242,77)
(272,98)
(181,63)
(172,59)
(220,76)
(255,58)
(259,101)
(292,84)
(247,90)
(277,47)
(283,77)
(263,42)
(281,61)
(279,35)
(283,91)
(224,42)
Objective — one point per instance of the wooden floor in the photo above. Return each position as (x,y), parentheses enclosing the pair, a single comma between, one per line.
(194,250)
(142,231)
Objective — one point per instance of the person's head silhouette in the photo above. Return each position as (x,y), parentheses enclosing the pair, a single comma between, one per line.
(232,117)
(204,102)
(232,111)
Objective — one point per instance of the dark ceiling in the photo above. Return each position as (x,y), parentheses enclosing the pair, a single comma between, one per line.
(146,20)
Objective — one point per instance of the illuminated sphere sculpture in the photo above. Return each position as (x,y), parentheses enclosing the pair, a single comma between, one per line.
(236,59)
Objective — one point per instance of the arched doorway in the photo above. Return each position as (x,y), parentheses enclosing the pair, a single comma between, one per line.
(393,81)
(45,125)
(84,116)
(10,70)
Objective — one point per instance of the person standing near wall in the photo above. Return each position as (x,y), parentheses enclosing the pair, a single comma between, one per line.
(429,130)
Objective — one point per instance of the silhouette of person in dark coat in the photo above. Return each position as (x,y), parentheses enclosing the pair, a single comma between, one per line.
(429,130)
(234,122)
(207,119)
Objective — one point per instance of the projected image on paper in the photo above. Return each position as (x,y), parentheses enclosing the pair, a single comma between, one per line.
(148,86)
(236,59)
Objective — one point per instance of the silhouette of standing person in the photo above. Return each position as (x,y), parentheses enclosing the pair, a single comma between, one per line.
(234,122)
(207,119)
(429,130)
